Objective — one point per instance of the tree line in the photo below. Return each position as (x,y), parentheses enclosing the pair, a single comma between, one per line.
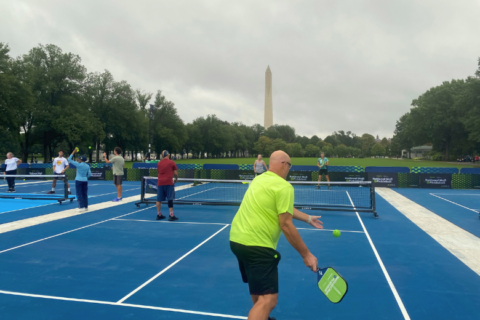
(447,117)
(48,101)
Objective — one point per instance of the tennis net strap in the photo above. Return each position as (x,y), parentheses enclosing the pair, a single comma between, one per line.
(350,196)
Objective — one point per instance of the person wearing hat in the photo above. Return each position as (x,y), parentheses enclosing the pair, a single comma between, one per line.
(165,185)
(81,180)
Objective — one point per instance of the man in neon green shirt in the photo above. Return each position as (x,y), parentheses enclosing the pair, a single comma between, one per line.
(266,211)
(322,164)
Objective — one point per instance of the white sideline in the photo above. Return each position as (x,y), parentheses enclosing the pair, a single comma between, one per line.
(382,266)
(166,269)
(15,225)
(139,306)
(169,222)
(462,244)
(76,229)
(433,194)
(49,204)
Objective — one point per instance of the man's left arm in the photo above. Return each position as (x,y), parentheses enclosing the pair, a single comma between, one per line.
(314,221)
(66,167)
(175,173)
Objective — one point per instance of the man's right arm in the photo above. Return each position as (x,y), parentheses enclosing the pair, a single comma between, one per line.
(293,237)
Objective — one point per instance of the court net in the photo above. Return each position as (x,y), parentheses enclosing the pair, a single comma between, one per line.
(35,187)
(335,196)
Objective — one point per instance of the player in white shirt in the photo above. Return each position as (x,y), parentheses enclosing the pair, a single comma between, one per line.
(60,164)
(11,164)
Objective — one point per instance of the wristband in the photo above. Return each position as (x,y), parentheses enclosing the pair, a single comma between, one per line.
(309,219)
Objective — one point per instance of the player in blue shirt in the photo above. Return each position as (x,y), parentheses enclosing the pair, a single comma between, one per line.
(322,164)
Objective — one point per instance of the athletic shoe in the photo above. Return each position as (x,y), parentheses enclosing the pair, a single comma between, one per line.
(272,318)
(13,190)
(329,188)
(172,218)
(117,199)
(50,192)
(81,210)
(318,187)
(160,217)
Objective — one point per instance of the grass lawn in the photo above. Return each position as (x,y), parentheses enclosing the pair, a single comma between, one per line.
(364,162)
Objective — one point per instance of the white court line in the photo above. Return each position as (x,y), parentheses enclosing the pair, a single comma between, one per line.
(139,306)
(382,266)
(432,194)
(176,222)
(166,269)
(59,234)
(457,194)
(314,229)
(55,202)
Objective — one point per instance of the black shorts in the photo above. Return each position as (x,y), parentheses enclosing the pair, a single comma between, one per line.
(258,266)
(117,180)
(323,171)
(58,174)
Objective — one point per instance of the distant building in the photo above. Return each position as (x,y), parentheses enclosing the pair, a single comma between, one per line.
(417,152)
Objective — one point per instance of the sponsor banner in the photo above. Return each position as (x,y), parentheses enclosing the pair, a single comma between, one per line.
(32,172)
(437,181)
(389,180)
(299,176)
(97,174)
(348,176)
(476,181)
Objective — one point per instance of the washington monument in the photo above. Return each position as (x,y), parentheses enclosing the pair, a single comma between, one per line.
(268,99)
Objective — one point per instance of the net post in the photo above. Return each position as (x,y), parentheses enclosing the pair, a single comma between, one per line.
(372,195)
(65,188)
(142,190)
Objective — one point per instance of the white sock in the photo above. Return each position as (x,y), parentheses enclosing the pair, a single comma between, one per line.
(53,189)
(68,189)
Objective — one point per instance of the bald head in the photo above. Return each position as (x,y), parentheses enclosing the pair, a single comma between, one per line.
(279,163)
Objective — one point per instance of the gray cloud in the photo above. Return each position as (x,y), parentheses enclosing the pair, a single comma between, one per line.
(344,65)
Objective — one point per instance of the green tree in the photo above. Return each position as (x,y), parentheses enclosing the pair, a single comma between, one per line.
(314,140)
(303,140)
(354,152)
(262,145)
(436,119)
(294,150)
(277,144)
(341,150)
(332,140)
(378,150)
(328,150)
(312,150)
(55,80)
(367,142)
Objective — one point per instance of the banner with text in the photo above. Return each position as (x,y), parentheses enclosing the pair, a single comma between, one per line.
(437,181)
(389,180)
(97,174)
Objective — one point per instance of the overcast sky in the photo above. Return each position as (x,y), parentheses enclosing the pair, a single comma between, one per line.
(337,65)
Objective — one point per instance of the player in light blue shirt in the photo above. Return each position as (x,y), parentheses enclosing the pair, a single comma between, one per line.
(322,164)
